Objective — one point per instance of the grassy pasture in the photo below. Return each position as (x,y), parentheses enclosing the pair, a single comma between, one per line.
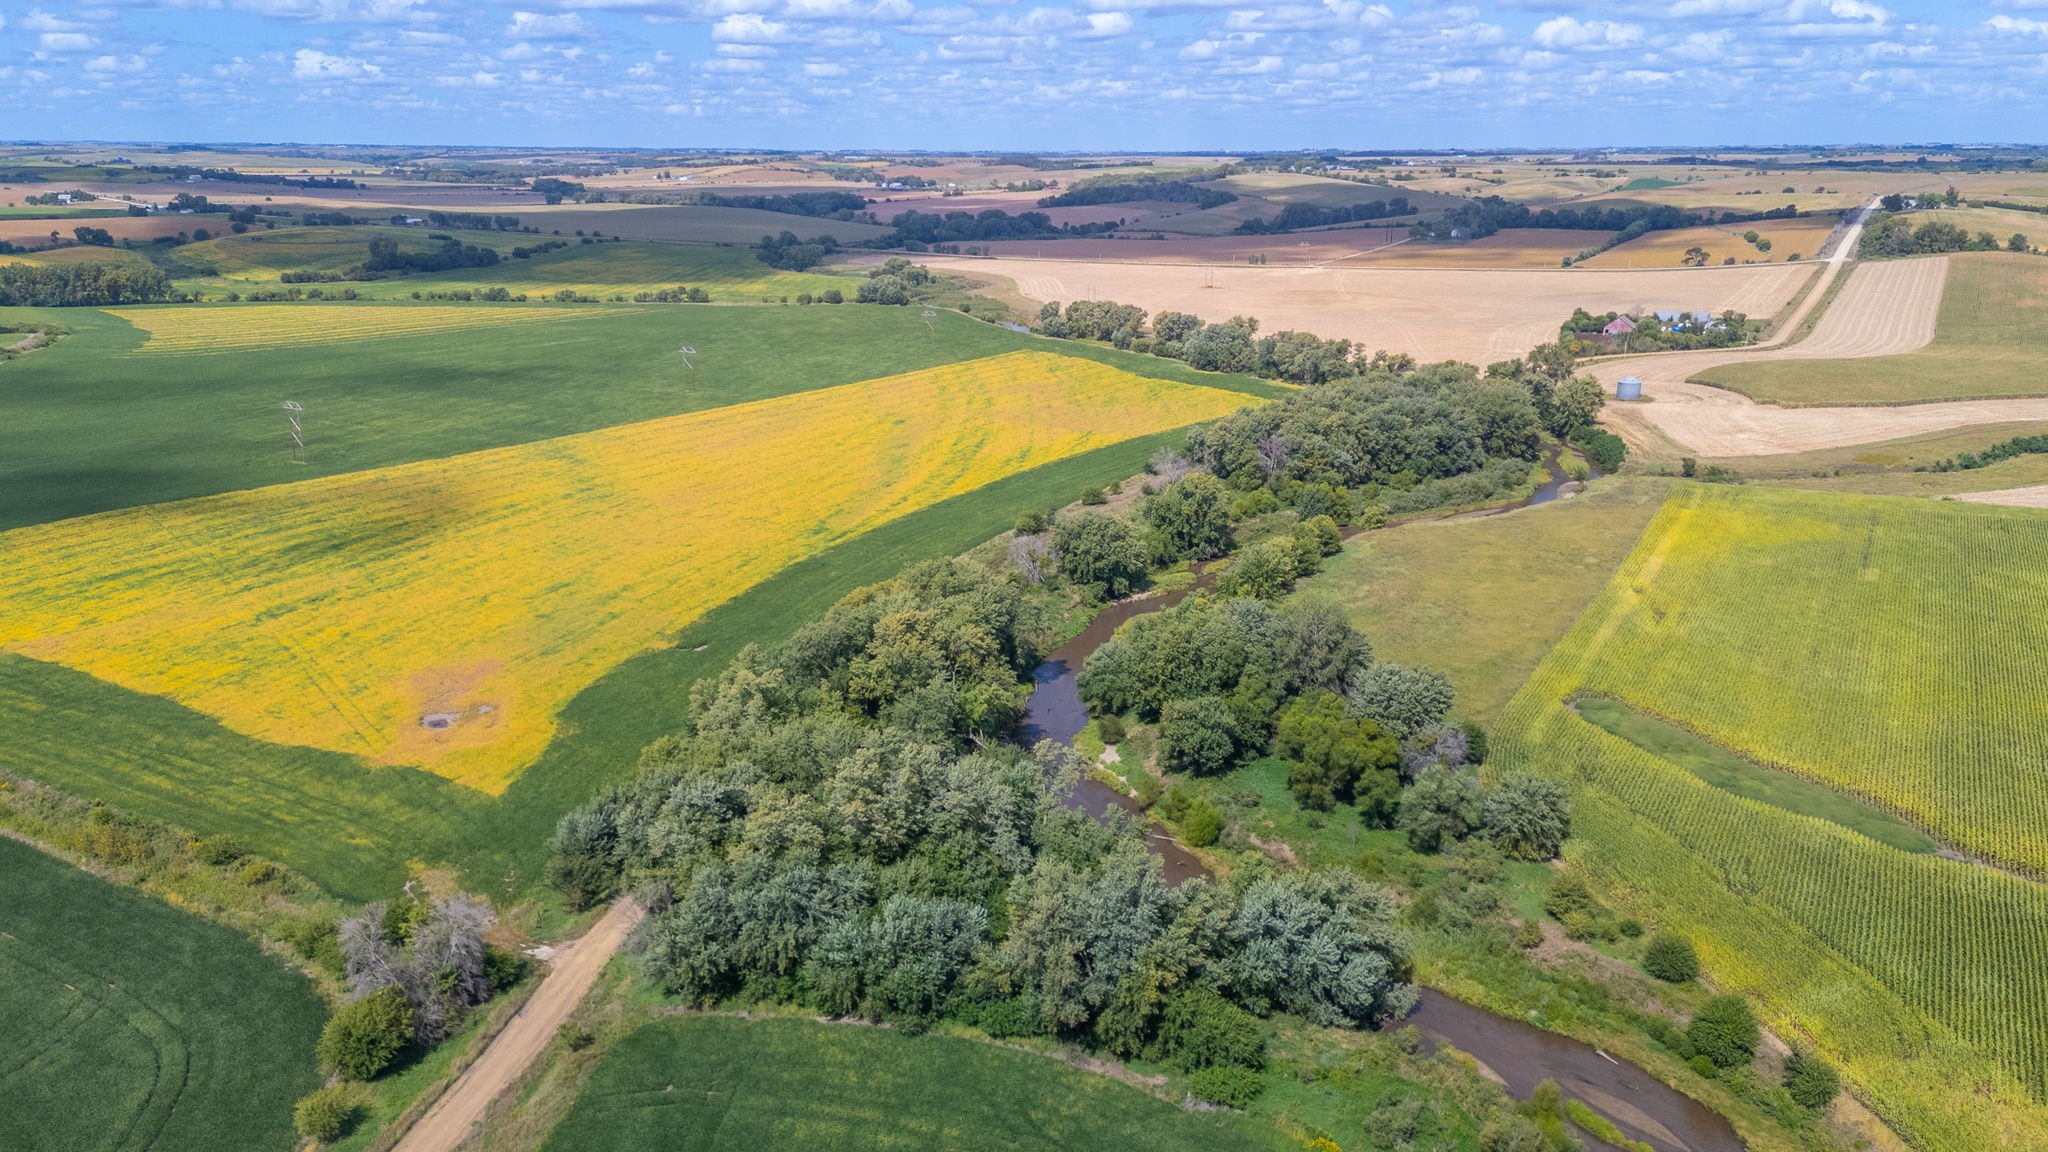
(1483,598)
(257,259)
(489,588)
(717,1084)
(1841,639)
(133,1026)
(1990,339)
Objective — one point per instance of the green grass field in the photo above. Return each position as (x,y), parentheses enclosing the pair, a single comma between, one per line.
(712,1084)
(350,827)
(256,260)
(1731,773)
(130,1025)
(90,425)
(693,223)
(1881,646)
(1482,599)
(1990,340)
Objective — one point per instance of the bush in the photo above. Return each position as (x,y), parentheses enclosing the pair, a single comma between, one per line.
(1528,934)
(1032,523)
(1395,1123)
(1580,925)
(254,871)
(216,851)
(1725,1031)
(575,1037)
(1009,1019)
(1811,1081)
(1569,894)
(1229,1086)
(1671,959)
(1197,735)
(366,1035)
(1094,496)
(1631,927)
(1528,816)
(1201,1029)
(1703,1066)
(1202,823)
(1110,728)
(325,1115)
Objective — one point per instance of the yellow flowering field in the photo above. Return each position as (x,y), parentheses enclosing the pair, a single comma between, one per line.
(441,613)
(185,329)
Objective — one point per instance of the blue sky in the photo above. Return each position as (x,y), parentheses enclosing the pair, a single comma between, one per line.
(1126,74)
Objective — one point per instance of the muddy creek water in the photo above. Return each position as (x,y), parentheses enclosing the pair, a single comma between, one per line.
(1519,1054)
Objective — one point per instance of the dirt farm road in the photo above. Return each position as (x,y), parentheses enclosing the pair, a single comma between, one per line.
(454,1116)
(1886,308)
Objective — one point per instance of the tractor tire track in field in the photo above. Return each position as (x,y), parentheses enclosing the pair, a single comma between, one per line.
(1886,309)
(454,1116)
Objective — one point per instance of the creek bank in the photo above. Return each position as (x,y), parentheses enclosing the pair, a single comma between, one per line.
(1520,1055)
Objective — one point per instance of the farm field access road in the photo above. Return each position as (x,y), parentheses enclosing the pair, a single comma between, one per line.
(1887,308)
(454,1116)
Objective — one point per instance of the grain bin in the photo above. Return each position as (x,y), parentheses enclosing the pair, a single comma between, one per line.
(1628,388)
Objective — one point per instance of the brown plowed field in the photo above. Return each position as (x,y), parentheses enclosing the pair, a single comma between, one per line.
(1353,247)
(1884,309)
(1479,316)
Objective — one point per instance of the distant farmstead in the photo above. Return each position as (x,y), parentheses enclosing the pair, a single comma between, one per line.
(1619,326)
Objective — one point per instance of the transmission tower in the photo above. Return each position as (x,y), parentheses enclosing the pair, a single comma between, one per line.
(291,417)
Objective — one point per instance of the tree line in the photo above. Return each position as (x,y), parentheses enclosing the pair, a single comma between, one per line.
(1888,235)
(1296,216)
(82,285)
(1127,188)
(1490,214)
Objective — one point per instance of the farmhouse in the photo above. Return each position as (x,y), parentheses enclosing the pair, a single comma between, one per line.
(1619,326)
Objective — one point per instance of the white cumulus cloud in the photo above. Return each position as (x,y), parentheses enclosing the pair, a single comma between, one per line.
(1565,32)
(116,65)
(313,64)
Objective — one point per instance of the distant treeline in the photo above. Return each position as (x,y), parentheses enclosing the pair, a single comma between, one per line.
(2003,450)
(230,176)
(474,221)
(386,260)
(913,229)
(1297,216)
(790,254)
(835,204)
(1125,189)
(1490,214)
(87,285)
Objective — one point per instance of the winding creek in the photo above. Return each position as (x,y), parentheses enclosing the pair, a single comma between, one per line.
(1520,1055)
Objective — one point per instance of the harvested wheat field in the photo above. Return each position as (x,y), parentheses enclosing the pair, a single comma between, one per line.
(1885,309)
(1478,315)
(1801,238)
(2035,496)
(441,613)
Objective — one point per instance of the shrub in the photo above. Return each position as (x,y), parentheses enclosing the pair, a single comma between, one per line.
(1811,1081)
(575,1037)
(1439,809)
(1631,927)
(1703,1066)
(1094,496)
(219,850)
(1202,823)
(1032,523)
(1197,735)
(1569,894)
(1201,1029)
(366,1035)
(1011,1018)
(1110,728)
(1528,934)
(1394,1123)
(1580,925)
(254,871)
(1725,1031)
(1671,959)
(1528,816)
(325,1115)
(1229,1086)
